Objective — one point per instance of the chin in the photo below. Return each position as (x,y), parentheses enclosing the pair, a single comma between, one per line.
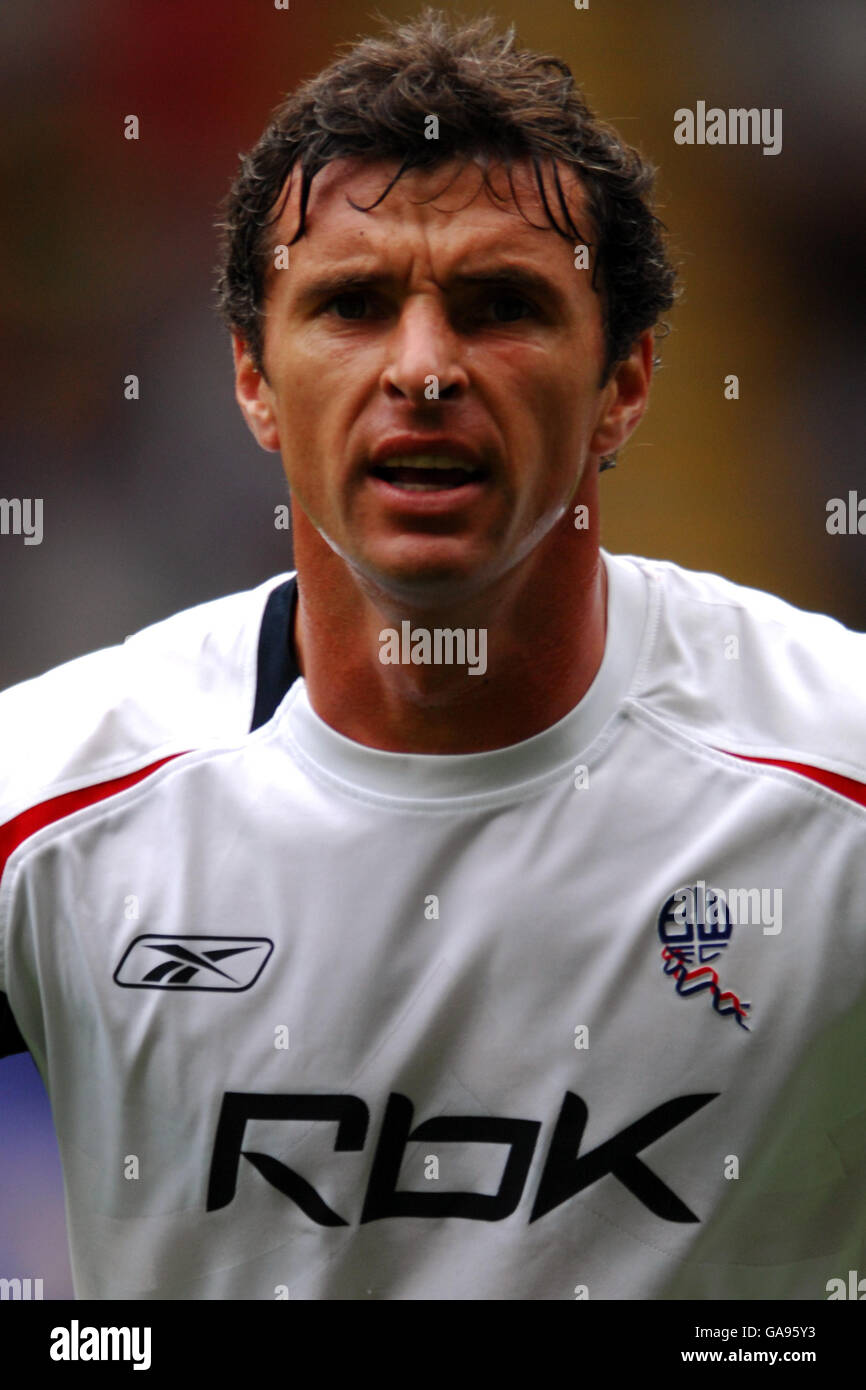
(423,583)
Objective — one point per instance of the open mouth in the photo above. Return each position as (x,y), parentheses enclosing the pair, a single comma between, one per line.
(427,472)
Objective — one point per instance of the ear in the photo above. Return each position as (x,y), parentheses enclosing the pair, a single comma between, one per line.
(624,398)
(255,397)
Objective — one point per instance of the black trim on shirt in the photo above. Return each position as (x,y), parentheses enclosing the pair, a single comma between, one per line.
(278,667)
(10,1038)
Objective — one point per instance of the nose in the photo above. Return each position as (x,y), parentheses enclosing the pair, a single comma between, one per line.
(423,355)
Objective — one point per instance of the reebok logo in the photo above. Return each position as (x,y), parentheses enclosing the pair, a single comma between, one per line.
(225,964)
(566,1171)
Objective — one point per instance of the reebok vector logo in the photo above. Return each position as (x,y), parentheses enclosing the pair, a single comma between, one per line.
(567,1171)
(225,964)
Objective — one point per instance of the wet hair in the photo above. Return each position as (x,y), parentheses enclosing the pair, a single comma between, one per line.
(495,103)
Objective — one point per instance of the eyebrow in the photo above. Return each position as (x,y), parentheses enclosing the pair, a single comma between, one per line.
(328,286)
(515,276)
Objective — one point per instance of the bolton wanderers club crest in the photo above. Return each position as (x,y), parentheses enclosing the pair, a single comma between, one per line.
(695,928)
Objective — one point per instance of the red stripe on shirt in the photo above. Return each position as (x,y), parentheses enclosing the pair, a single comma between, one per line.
(21,827)
(845,786)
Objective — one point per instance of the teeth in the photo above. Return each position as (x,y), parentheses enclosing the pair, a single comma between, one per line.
(426,461)
(421,487)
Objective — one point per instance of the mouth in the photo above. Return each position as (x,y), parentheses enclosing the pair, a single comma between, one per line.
(427,472)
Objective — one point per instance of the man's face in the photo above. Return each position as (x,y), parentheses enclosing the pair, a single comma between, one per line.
(432,374)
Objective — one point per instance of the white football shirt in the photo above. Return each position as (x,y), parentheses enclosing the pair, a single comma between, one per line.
(583,1016)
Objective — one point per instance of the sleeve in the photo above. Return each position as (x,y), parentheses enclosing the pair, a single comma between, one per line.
(101,722)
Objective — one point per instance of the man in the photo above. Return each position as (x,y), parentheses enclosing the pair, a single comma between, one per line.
(457,968)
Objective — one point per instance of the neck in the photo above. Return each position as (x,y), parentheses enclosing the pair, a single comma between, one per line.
(545,633)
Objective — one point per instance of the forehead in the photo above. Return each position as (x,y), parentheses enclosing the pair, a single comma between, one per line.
(452,202)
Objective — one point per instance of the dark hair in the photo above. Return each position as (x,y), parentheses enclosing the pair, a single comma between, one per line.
(494,103)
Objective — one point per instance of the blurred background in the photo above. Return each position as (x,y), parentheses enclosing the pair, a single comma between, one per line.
(108,249)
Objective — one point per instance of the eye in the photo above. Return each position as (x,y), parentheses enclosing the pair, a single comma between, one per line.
(352,304)
(506,307)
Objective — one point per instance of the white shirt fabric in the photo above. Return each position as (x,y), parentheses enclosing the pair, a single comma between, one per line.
(613,1102)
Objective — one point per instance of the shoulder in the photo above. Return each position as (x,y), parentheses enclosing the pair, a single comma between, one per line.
(175,685)
(748,673)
